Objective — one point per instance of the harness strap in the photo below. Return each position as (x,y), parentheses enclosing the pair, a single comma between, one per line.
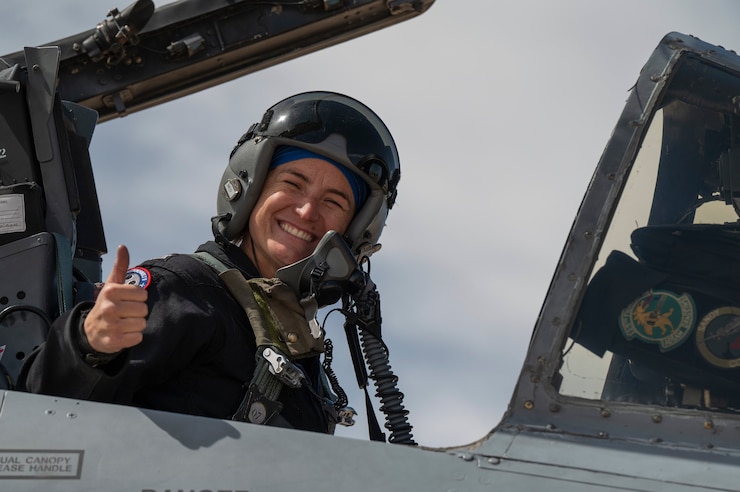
(281,333)
(259,404)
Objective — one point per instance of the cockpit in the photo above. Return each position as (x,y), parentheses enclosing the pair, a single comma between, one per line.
(659,320)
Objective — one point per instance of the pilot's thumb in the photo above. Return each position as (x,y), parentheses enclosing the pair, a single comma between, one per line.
(120,266)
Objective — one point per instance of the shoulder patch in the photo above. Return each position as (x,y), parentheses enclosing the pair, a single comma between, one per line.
(138,276)
(661,317)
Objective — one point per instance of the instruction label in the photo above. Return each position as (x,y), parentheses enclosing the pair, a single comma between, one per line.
(12,214)
(40,464)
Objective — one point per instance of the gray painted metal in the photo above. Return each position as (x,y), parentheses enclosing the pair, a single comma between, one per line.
(69,445)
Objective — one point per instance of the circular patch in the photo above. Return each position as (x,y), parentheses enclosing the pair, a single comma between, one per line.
(718,337)
(661,317)
(257,413)
(138,276)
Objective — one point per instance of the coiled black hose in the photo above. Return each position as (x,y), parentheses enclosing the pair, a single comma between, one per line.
(368,320)
(391,398)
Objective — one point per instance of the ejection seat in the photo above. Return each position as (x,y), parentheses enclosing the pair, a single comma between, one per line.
(51,234)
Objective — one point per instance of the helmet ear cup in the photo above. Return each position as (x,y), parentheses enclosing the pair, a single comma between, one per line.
(241,185)
(364,230)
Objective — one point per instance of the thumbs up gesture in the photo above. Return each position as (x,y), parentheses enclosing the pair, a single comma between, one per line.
(118,317)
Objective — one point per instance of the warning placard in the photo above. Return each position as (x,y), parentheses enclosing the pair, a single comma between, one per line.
(40,464)
(12,214)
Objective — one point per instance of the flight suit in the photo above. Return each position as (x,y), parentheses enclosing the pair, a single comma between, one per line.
(197,354)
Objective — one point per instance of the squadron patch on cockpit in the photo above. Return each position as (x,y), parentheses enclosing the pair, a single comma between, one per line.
(661,317)
(718,337)
(138,276)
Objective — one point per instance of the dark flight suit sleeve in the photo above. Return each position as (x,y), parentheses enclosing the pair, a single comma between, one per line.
(196,353)
(58,366)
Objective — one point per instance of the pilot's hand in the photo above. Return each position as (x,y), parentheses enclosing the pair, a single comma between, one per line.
(119,315)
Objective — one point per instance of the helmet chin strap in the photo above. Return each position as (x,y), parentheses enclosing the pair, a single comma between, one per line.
(217,234)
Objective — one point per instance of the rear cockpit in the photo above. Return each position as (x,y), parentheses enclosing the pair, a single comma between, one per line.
(643,313)
(660,318)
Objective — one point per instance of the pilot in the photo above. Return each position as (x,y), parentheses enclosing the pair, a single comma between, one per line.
(170,335)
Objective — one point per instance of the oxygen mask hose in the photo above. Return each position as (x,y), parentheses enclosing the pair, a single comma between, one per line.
(330,273)
(376,357)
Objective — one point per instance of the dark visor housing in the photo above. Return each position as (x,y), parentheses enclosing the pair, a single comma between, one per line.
(314,116)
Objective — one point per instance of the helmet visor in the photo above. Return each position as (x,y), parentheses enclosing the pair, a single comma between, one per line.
(314,116)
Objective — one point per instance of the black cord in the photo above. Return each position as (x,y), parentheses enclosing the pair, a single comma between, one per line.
(363,316)
(25,307)
(342,399)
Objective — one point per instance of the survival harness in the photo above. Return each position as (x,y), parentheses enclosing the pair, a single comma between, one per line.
(283,334)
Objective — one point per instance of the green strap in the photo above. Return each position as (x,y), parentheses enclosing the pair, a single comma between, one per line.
(252,299)
(277,328)
(211,261)
(267,384)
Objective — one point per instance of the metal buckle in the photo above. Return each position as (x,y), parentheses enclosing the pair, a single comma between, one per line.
(282,368)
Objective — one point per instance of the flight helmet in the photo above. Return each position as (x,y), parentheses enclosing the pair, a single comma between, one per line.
(332,125)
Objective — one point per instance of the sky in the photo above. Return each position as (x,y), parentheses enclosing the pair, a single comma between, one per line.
(500,110)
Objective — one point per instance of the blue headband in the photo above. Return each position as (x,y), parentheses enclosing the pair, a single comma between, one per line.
(286,153)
